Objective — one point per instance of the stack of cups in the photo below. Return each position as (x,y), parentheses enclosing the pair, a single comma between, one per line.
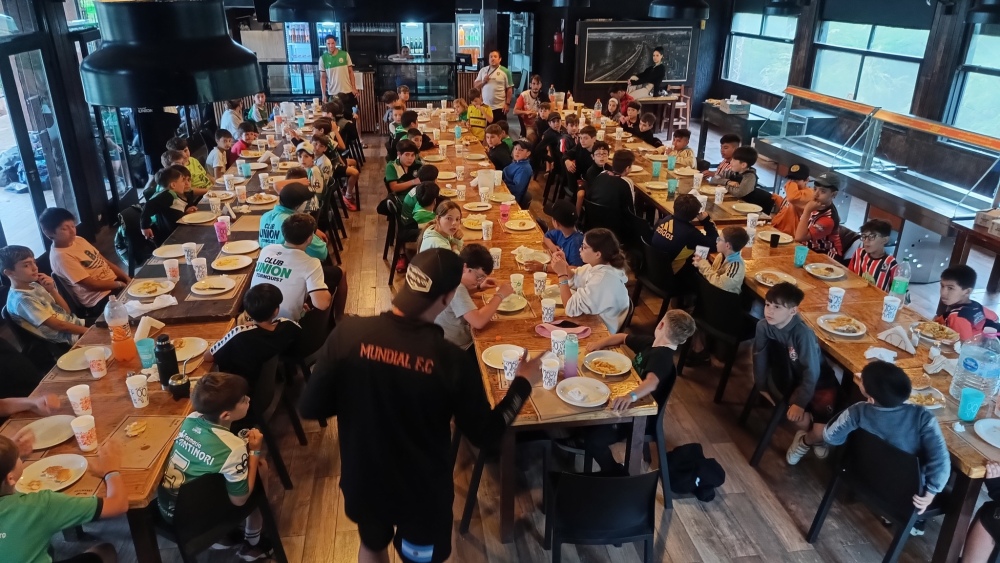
(558,338)
(511,360)
(550,373)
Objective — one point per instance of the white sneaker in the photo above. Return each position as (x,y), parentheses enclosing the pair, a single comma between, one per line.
(798,449)
(821,450)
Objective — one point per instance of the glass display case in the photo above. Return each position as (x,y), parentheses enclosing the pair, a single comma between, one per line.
(283,81)
(427,80)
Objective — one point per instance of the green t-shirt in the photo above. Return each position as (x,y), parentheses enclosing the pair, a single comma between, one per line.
(203,448)
(338,71)
(28,521)
(395,171)
(509,142)
(270,232)
(199,177)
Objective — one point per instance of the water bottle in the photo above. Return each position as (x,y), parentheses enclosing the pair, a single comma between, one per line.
(166,360)
(552,94)
(901,281)
(569,101)
(598,108)
(458,132)
(122,344)
(571,353)
(978,365)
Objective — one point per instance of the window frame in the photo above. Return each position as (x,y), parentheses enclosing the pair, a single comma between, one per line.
(724,70)
(959,84)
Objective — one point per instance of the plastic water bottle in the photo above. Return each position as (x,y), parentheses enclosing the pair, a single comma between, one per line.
(571,353)
(552,94)
(978,365)
(598,108)
(122,344)
(901,281)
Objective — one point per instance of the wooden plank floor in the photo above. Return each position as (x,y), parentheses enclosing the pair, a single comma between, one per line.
(759,515)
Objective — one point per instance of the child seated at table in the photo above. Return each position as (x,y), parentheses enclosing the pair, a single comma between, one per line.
(613,110)
(630,118)
(495,149)
(247,347)
(421,199)
(461,106)
(870,260)
(741,177)
(174,157)
(291,199)
(400,174)
(205,446)
(517,175)
(611,189)
(644,131)
(579,160)
(463,314)
(305,153)
(248,134)
(726,271)
(423,142)
(218,159)
(956,310)
(562,237)
(819,225)
(407,120)
(817,397)
(505,135)
(298,275)
(258,112)
(86,272)
(321,145)
(676,236)
(597,287)
(199,176)
(167,205)
(478,114)
(547,151)
(788,208)
(445,231)
(33,301)
(728,143)
(602,151)
(681,150)
(542,123)
(570,136)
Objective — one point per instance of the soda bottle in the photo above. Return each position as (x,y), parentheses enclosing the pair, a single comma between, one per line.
(552,94)
(166,360)
(572,352)
(569,101)
(901,281)
(597,111)
(122,344)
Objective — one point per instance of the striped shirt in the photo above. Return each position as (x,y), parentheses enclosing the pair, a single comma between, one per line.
(824,234)
(876,271)
(725,272)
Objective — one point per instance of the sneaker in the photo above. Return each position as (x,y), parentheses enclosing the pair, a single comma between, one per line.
(257,552)
(918,528)
(798,449)
(821,450)
(350,204)
(234,538)
(401,265)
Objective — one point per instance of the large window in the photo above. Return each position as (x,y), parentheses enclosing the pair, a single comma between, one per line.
(873,64)
(978,91)
(759,52)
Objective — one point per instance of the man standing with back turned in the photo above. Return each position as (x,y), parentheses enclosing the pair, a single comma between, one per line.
(394,383)
(336,71)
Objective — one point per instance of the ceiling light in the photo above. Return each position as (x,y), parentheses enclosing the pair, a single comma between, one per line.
(570,3)
(678,9)
(784,7)
(307,10)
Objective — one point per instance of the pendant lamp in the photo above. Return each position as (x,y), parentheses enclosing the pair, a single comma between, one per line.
(985,11)
(307,10)
(678,9)
(156,54)
(570,3)
(784,7)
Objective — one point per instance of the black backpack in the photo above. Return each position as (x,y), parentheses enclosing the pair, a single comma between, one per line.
(691,473)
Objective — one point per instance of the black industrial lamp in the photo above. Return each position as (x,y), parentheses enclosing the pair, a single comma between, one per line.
(306,10)
(985,11)
(570,3)
(678,9)
(166,53)
(784,7)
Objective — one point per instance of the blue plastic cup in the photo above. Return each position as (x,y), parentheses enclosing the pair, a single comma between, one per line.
(656,169)
(672,186)
(801,253)
(300,121)
(671,162)
(968,405)
(145,348)
(245,170)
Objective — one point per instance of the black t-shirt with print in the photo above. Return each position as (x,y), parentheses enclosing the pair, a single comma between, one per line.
(653,359)
(245,349)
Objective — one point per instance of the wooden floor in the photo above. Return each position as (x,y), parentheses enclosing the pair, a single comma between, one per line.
(759,515)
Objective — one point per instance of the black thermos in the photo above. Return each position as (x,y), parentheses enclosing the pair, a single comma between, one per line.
(166,360)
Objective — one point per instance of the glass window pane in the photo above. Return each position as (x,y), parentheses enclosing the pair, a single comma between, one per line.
(835,73)
(984,47)
(16,17)
(888,84)
(900,41)
(781,27)
(759,63)
(747,23)
(977,106)
(854,35)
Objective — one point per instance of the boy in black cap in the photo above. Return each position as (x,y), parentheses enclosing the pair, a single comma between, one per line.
(395,383)
(819,225)
(797,195)
(562,237)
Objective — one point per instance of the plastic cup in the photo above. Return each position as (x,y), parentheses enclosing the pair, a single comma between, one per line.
(484,194)
(215,204)
(517,282)
(834,299)
(442,150)
(890,306)
(656,169)
(550,373)
(671,162)
(137,390)
(228,221)
(672,184)
(97,362)
(275,161)
(496,253)
(173,269)
(540,279)
(558,339)
(79,399)
(300,121)
(548,310)
(190,251)
(801,253)
(752,219)
(460,172)
(775,240)
(696,180)
(600,135)
(262,178)
(720,194)
(270,140)
(241,194)
(145,347)
(703,200)
(701,251)
(511,359)
(487,230)
(461,191)
(230,181)
(200,266)
(244,169)
(85,431)
(968,405)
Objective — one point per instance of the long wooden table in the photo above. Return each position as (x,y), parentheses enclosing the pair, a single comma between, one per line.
(970,234)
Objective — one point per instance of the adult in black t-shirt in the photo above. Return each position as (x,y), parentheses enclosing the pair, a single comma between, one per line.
(395,383)
(611,190)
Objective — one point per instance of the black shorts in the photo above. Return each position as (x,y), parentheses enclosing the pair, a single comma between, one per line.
(989,515)
(423,540)
(82,558)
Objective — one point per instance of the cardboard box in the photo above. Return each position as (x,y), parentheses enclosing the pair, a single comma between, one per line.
(995,227)
(738,107)
(984,218)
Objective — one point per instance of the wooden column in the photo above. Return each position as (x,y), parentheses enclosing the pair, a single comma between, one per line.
(803,54)
(945,49)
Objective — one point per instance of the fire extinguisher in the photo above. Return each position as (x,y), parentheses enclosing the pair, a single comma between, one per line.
(557,42)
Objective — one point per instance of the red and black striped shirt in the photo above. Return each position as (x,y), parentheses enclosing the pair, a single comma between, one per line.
(876,271)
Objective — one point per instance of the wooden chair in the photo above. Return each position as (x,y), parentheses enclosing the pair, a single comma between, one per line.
(681,116)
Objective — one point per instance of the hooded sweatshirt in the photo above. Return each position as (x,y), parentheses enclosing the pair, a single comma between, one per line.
(600,290)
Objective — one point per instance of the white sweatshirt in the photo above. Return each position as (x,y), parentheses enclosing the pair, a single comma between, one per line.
(600,290)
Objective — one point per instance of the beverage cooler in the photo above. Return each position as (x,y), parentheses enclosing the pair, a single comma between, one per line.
(304,42)
(470,35)
(412,35)
(298,42)
(327,28)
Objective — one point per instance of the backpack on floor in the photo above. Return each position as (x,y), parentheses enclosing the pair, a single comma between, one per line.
(691,473)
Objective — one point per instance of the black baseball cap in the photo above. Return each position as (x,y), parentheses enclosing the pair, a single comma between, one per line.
(563,211)
(798,172)
(827,180)
(430,275)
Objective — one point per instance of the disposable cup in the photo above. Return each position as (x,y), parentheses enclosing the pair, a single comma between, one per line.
(496,254)
(138,391)
(703,200)
(801,253)
(558,339)
(517,282)
(487,230)
(540,279)
(97,362)
(511,360)
(460,172)
(79,399)
(241,194)
(834,299)
(200,266)
(671,162)
(461,191)
(720,195)
(214,204)
(550,373)
(190,251)
(548,310)
(85,431)
(173,269)
(696,180)
(484,194)
(701,251)
(968,405)
(145,347)
(890,306)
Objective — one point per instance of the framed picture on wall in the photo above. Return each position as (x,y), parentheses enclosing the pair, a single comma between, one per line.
(613,54)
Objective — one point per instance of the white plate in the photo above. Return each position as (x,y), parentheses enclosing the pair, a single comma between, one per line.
(477,206)
(747,208)
(472,224)
(636,169)
(445,143)
(75,464)
(76,359)
(433,158)
(821,272)
(51,430)
(501,197)
(553,292)
(989,430)
(593,392)
(939,400)
(251,154)
(708,190)
(657,157)
(685,172)
(448,193)
(620,361)
(447,176)
(261,199)
(512,304)
(655,185)
(423,119)
(493,356)
(150,288)
(229,263)
(169,251)
(520,224)
(782,277)
(191,347)
(474,156)
(240,247)
(287,165)
(259,166)
(783,238)
(536,255)
(824,323)
(221,194)
(197,217)
(213,285)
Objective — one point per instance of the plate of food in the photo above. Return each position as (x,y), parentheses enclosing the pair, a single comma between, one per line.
(198,217)
(501,197)
(825,271)
(493,356)
(607,363)
(445,143)
(783,238)
(448,192)
(935,332)
(53,473)
(583,392)
(842,325)
(532,256)
(262,199)
(477,206)
(657,157)
(553,292)
(51,430)
(706,189)
(655,185)
(213,285)
(240,247)
(686,172)
(447,175)
(743,207)
(229,263)
(512,304)
(76,359)
(189,347)
(520,225)
(930,398)
(169,251)
(251,154)
(920,381)
(223,195)
(771,278)
(475,156)
(473,222)
(433,158)
(287,165)
(989,430)
(637,169)
(150,288)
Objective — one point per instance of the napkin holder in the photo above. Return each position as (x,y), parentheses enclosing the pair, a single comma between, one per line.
(147,326)
(884,354)
(898,338)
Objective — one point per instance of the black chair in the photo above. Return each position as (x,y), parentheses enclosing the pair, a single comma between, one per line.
(628,316)
(315,330)
(41,352)
(267,394)
(656,275)
(762,198)
(781,381)
(555,183)
(886,479)
(599,509)
(597,216)
(720,315)
(636,229)
(204,514)
(403,234)
(88,314)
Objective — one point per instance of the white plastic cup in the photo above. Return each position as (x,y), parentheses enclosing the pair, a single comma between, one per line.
(540,279)
(496,254)
(97,362)
(720,194)
(460,172)
(701,251)
(497,177)
(511,360)
(270,140)
(550,373)
(85,431)
(752,219)
(517,282)
(487,230)
(239,166)
(558,339)
(173,269)
(275,161)
(138,391)
(600,135)
(696,180)
(190,251)
(548,310)
(215,204)
(834,299)
(461,191)
(200,268)
(230,181)
(703,200)
(484,194)
(262,178)
(241,193)
(435,133)
(79,399)
(890,306)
